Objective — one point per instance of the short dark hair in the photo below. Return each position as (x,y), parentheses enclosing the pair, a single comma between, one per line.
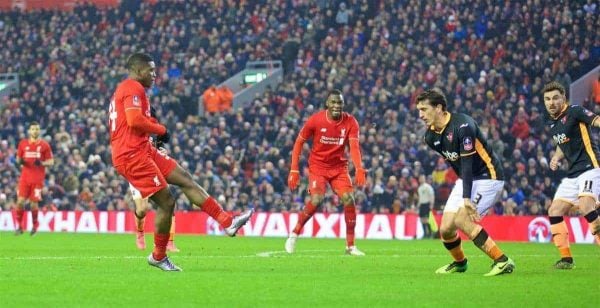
(138,58)
(435,97)
(33,123)
(554,85)
(335,92)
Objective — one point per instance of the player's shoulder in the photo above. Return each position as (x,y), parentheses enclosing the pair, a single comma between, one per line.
(348,116)
(130,85)
(318,116)
(461,120)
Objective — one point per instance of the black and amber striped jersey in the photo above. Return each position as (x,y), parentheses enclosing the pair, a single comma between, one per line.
(571,132)
(461,142)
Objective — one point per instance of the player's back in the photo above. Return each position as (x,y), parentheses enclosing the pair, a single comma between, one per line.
(125,140)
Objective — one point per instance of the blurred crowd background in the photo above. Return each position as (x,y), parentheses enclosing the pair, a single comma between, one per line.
(491,58)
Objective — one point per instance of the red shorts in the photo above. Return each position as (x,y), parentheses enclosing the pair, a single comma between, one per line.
(147,173)
(31,191)
(338,179)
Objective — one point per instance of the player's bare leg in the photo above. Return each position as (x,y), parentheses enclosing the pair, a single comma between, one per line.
(141,208)
(165,205)
(453,243)
(19,215)
(560,233)
(587,206)
(350,219)
(308,211)
(171,244)
(199,197)
(476,233)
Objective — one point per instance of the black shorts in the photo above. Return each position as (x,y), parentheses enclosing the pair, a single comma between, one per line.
(424,210)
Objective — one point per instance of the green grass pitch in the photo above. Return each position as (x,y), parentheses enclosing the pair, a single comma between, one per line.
(106,270)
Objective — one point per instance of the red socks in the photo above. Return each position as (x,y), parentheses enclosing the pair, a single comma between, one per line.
(34,218)
(350,217)
(214,210)
(160,246)
(20,218)
(305,215)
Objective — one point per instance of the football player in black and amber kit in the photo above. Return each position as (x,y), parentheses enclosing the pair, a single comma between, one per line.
(570,129)
(458,139)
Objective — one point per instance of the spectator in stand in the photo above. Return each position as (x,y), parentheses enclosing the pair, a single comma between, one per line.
(225,98)
(211,100)
(595,97)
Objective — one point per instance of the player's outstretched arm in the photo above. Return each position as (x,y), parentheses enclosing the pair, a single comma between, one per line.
(361,174)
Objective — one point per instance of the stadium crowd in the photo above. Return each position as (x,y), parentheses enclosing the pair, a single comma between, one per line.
(490,59)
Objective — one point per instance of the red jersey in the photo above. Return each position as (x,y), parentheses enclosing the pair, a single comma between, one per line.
(29,152)
(329,139)
(126,141)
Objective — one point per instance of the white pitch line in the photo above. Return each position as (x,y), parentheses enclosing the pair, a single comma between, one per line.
(266,254)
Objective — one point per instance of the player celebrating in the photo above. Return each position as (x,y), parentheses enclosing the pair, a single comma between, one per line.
(33,155)
(331,131)
(457,137)
(148,170)
(570,129)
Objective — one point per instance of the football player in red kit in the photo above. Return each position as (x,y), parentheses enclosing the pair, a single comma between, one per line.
(33,155)
(148,170)
(330,130)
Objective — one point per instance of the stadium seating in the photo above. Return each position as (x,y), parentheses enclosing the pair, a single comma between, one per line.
(489,59)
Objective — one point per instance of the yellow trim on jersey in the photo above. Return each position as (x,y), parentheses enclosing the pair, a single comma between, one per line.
(594,120)
(485,156)
(468,154)
(587,143)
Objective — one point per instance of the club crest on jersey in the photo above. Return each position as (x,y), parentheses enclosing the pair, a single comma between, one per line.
(449,136)
(588,113)
(136,100)
(563,120)
(468,144)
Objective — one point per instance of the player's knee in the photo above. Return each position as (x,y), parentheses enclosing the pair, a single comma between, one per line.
(316,199)
(447,231)
(558,208)
(348,199)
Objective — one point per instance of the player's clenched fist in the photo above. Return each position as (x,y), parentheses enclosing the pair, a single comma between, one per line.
(361,177)
(293,179)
